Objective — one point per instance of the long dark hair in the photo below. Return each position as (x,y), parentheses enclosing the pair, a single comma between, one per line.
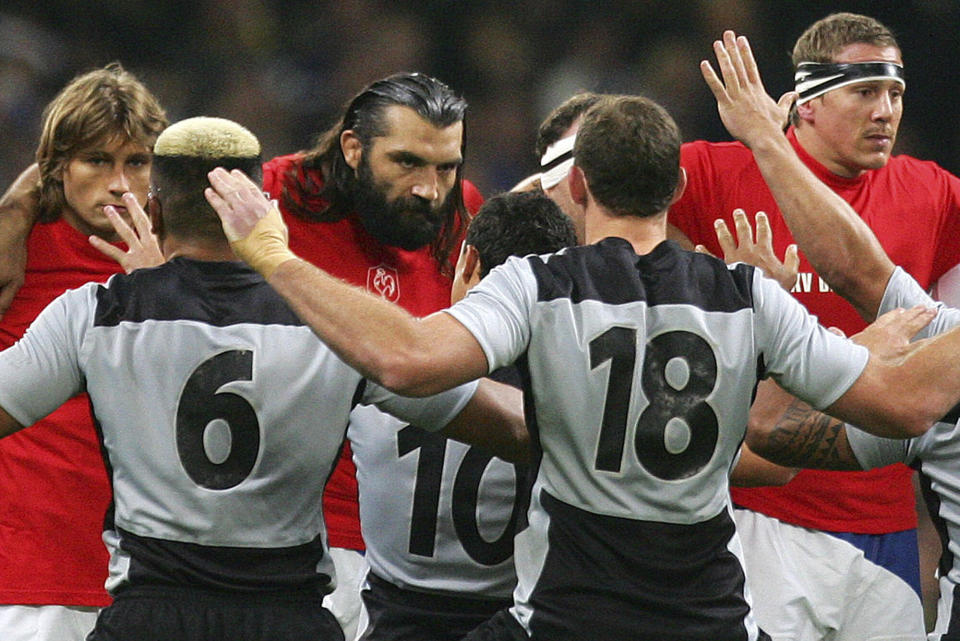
(364,115)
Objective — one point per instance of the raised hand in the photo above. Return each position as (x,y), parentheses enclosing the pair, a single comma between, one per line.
(144,250)
(252,223)
(757,252)
(748,113)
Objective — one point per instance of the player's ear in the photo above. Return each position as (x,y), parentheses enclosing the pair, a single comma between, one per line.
(155,213)
(468,265)
(681,186)
(578,186)
(806,111)
(352,148)
(471,268)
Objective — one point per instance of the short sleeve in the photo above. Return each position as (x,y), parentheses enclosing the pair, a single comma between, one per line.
(431,413)
(498,310)
(806,359)
(42,370)
(875,451)
(903,291)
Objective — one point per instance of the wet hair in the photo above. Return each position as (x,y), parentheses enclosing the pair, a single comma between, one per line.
(183,156)
(94,108)
(628,148)
(365,115)
(518,224)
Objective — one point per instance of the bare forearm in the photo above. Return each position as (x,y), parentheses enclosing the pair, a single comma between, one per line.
(840,246)
(804,437)
(379,339)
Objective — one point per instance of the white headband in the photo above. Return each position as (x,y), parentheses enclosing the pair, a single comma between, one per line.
(556,162)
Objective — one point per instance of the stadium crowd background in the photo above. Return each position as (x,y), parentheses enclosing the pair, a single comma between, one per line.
(285,68)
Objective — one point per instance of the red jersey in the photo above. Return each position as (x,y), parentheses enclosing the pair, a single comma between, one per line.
(913,207)
(411,279)
(53,481)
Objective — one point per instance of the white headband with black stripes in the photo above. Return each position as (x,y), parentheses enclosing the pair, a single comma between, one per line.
(556,162)
(814,79)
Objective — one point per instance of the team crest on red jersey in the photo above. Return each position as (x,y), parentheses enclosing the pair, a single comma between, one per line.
(385,281)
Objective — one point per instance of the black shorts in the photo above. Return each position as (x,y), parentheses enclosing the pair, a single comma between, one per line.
(162,613)
(395,614)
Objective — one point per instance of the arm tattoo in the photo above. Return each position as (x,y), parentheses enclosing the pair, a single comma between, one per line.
(804,437)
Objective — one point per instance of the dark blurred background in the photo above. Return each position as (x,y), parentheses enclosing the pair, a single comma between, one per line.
(284,69)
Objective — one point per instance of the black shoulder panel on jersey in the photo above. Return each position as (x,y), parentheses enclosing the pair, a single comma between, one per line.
(610,272)
(216,293)
(952,416)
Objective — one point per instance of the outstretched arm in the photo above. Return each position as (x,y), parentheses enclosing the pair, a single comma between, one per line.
(413,357)
(18,212)
(837,242)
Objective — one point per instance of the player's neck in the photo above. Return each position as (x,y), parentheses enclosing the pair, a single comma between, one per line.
(820,151)
(197,249)
(644,233)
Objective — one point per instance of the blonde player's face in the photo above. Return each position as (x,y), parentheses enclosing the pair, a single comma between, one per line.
(98,176)
(856,126)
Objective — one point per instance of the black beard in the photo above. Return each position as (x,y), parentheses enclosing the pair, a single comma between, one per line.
(409,222)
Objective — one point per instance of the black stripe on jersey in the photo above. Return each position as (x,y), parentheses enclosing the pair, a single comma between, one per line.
(161,562)
(225,294)
(610,272)
(622,579)
(932,500)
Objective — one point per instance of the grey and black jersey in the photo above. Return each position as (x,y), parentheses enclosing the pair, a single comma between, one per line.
(437,515)
(936,455)
(638,377)
(221,416)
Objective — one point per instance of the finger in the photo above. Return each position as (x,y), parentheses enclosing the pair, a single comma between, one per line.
(791,259)
(111,251)
(727,245)
(245,186)
(744,231)
(786,100)
(138,216)
(736,62)
(752,74)
(701,249)
(916,318)
(837,331)
(764,235)
(727,71)
(124,231)
(713,82)
(216,201)
(221,182)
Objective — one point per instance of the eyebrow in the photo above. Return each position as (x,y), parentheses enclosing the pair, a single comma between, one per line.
(414,159)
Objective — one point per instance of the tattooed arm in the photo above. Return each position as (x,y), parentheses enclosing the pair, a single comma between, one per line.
(787,431)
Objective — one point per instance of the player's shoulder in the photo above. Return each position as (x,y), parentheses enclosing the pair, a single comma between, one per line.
(908,167)
(472,198)
(279,170)
(706,149)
